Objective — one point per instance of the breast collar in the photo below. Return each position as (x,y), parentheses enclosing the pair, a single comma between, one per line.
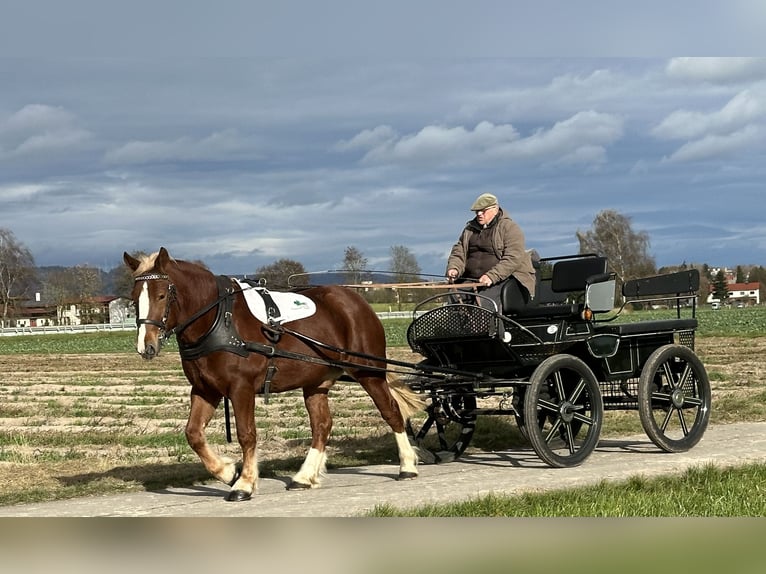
(222,334)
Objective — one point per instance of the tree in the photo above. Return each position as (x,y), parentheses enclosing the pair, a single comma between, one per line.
(720,287)
(405,268)
(613,237)
(741,277)
(277,275)
(354,263)
(76,285)
(17,270)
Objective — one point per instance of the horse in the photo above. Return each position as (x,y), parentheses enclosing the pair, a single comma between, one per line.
(227,352)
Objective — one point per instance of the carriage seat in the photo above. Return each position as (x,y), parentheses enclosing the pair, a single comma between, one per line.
(679,287)
(569,275)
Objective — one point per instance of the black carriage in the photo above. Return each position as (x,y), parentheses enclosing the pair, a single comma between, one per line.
(557,364)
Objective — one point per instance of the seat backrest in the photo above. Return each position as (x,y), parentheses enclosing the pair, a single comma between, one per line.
(687,281)
(571,274)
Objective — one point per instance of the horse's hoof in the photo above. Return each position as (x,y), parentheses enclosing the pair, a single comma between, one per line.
(407,475)
(239,496)
(298,486)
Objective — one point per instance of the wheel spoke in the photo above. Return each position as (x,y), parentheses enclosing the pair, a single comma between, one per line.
(570,438)
(553,431)
(548,405)
(583,419)
(577,391)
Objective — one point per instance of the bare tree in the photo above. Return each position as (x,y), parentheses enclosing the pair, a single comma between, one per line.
(612,236)
(354,263)
(277,275)
(76,285)
(405,268)
(17,270)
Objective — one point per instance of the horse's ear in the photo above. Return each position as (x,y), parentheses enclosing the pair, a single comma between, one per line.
(130,261)
(163,258)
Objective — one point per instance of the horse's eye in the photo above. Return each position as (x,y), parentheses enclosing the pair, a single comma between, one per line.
(162,297)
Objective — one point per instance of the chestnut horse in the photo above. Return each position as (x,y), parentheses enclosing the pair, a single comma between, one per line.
(228,352)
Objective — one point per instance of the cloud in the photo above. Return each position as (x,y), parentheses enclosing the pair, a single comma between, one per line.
(379,136)
(717,70)
(738,125)
(579,139)
(741,110)
(39,128)
(222,145)
(713,145)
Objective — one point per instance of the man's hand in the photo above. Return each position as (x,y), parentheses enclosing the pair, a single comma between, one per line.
(485,281)
(451,275)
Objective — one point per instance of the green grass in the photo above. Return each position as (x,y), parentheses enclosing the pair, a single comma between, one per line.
(704,491)
(748,322)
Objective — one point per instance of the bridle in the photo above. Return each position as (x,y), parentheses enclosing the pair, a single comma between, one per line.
(163,324)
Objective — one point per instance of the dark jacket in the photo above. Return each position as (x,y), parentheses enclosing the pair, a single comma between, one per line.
(510,249)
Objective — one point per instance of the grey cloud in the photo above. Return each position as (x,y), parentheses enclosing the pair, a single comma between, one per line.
(744,108)
(715,146)
(222,145)
(717,70)
(580,138)
(37,129)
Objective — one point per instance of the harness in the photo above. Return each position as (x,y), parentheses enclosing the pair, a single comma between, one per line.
(223,336)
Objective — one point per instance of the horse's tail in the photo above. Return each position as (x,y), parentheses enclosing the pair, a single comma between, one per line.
(408,400)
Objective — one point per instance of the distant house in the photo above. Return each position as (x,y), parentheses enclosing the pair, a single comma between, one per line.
(95,310)
(88,312)
(741,294)
(121,310)
(34,316)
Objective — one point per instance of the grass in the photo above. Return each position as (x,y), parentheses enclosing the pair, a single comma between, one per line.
(704,491)
(747,322)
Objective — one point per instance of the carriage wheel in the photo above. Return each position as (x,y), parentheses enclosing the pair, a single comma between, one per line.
(565,400)
(445,429)
(674,398)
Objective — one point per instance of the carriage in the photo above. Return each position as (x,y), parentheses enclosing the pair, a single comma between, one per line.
(559,363)
(555,365)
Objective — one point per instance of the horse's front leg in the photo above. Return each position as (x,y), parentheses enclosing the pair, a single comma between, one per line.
(320,420)
(200,414)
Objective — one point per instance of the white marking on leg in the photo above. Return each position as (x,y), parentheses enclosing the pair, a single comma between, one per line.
(408,459)
(143,313)
(312,468)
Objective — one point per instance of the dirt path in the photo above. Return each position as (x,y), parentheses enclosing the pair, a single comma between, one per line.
(354,491)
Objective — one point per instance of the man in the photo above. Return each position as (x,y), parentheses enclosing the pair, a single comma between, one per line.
(491,250)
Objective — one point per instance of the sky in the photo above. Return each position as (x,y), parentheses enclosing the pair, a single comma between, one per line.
(245,133)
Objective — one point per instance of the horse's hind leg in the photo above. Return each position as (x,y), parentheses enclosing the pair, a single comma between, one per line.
(201,411)
(320,420)
(377,387)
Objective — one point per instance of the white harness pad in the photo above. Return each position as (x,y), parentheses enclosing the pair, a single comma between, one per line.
(290,306)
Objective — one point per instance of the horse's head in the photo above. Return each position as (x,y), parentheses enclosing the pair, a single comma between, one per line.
(153,295)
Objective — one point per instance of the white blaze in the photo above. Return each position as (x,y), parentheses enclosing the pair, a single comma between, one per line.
(143,313)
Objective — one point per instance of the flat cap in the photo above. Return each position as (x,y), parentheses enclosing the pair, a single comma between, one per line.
(484,201)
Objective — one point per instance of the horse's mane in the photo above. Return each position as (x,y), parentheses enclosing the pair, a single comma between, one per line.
(146,263)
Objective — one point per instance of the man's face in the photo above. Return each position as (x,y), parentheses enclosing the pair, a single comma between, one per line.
(484,216)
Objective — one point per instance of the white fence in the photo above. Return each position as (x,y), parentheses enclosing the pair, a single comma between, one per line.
(11,331)
(129,326)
